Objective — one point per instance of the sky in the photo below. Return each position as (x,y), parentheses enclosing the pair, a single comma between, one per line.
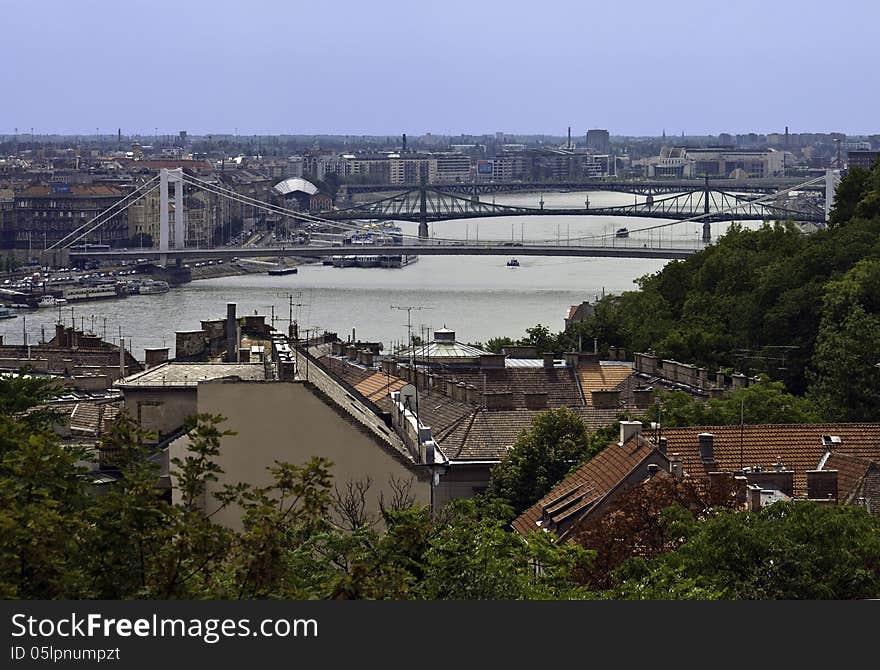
(384,67)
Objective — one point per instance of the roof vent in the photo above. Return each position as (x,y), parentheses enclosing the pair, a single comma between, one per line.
(831,441)
(707,448)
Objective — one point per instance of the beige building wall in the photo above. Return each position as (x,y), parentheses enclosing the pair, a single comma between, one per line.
(160,410)
(289,422)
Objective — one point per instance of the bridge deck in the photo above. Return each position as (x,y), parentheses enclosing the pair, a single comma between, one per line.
(621,251)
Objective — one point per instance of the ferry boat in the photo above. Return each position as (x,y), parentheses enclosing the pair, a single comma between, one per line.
(344,261)
(51,301)
(622,232)
(96,292)
(153,286)
(7,312)
(397,260)
(513,263)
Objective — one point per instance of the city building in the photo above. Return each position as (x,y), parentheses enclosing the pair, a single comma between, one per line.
(598,141)
(693,162)
(46,213)
(862,159)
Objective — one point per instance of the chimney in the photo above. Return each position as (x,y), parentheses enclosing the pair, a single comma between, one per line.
(628,429)
(231,334)
(720,379)
(549,359)
(754,498)
(572,358)
(662,445)
(643,397)
(535,399)
(498,400)
(155,356)
(471,394)
(653,469)
(675,466)
(707,448)
(822,485)
(605,398)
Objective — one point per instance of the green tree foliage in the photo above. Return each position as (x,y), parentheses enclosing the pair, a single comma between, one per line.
(300,537)
(540,457)
(793,550)
(846,383)
(766,402)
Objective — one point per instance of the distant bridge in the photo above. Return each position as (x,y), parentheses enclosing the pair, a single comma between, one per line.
(426,249)
(636,187)
(426,204)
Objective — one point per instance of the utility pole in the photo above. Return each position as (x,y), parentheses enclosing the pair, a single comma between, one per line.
(409,310)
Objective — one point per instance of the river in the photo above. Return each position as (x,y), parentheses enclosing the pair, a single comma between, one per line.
(477,296)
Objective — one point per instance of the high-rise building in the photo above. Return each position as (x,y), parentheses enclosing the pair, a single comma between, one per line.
(598,141)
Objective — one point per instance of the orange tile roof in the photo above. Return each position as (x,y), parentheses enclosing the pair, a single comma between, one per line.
(594,377)
(586,487)
(378,386)
(797,447)
(851,470)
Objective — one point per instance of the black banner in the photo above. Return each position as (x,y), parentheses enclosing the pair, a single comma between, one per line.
(151,634)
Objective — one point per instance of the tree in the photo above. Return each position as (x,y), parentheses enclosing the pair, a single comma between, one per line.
(496,344)
(540,458)
(765,402)
(788,550)
(846,383)
(42,495)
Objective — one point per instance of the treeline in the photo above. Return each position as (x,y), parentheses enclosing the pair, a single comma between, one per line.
(801,308)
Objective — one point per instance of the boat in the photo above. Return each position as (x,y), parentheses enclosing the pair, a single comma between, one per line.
(513,263)
(96,292)
(343,261)
(153,286)
(282,271)
(7,312)
(622,232)
(50,301)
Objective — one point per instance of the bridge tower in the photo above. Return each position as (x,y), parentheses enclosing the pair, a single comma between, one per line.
(707,228)
(423,201)
(175,177)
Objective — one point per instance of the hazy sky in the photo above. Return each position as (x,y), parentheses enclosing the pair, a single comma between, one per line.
(451,66)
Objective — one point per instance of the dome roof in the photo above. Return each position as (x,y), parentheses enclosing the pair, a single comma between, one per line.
(293,185)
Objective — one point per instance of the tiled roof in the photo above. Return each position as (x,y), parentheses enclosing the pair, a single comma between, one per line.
(436,410)
(486,435)
(92,418)
(595,377)
(584,488)
(851,470)
(559,384)
(378,386)
(797,447)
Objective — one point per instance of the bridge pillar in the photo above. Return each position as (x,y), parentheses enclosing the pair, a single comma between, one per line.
(174,176)
(706,201)
(423,203)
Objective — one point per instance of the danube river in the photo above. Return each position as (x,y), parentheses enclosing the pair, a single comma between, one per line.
(478,297)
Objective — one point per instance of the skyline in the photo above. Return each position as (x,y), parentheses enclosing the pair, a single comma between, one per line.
(271,68)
